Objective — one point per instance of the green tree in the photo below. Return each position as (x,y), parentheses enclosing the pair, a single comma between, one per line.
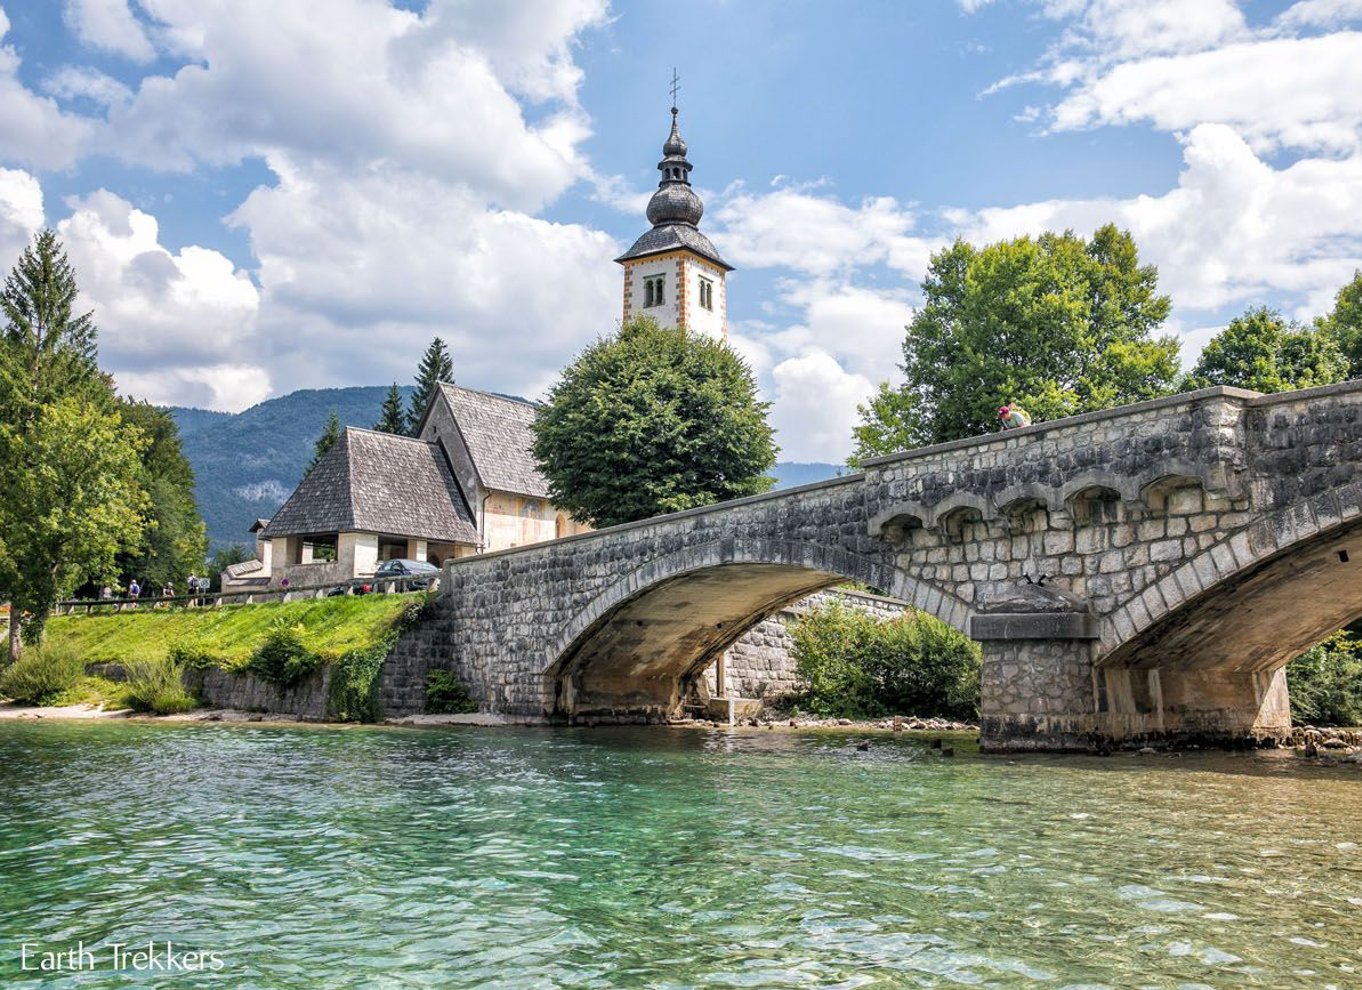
(1345,323)
(69,493)
(1056,323)
(331,432)
(72,501)
(391,419)
(436,366)
(176,540)
(1260,350)
(652,420)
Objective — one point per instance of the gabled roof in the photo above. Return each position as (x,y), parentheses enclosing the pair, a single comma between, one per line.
(377,483)
(497,431)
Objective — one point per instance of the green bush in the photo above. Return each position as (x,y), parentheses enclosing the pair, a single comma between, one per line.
(156,686)
(1326,682)
(861,667)
(351,696)
(282,658)
(194,656)
(42,673)
(445,695)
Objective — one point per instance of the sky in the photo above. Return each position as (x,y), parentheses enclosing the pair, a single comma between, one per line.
(262,196)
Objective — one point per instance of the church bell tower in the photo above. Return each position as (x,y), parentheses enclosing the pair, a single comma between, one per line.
(673,273)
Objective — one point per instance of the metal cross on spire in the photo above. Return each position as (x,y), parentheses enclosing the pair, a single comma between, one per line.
(676,85)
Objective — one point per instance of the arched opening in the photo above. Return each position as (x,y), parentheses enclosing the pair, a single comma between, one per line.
(1095,505)
(643,655)
(1215,662)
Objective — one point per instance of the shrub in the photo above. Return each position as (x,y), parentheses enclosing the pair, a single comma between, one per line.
(42,673)
(193,656)
(861,667)
(282,658)
(1326,682)
(156,686)
(445,695)
(351,695)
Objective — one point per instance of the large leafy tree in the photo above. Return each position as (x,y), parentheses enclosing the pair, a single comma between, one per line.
(1059,324)
(436,366)
(391,419)
(176,540)
(1261,350)
(1344,323)
(652,420)
(70,498)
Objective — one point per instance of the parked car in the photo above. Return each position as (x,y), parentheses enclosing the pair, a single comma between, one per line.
(421,574)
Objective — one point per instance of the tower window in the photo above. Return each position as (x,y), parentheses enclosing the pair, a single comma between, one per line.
(654,290)
(707,293)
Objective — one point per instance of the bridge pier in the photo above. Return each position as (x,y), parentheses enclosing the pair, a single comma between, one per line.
(1051,695)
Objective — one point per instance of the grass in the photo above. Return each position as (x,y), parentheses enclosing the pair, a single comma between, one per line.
(229,635)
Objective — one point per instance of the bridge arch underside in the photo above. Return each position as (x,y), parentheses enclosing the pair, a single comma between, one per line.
(640,659)
(1216,666)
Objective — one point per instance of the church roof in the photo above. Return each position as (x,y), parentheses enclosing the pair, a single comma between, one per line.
(498,432)
(671,237)
(377,483)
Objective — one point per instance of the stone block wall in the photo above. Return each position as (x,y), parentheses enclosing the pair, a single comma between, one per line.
(761,663)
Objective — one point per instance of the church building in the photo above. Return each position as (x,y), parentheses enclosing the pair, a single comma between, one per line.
(467,483)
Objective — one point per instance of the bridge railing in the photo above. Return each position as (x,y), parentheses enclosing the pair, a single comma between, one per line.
(249,596)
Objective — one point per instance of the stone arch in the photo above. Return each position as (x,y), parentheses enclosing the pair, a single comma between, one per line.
(1095,496)
(637,646)
(1280,585)
(898,519)
(959,507)
(1156,485)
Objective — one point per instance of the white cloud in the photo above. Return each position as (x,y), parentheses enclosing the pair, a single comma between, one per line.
(814,407)
(173,326)
(72,82)
(792,228)
(110,26)
(1234,231)
(380,84)
(359,272)
(33,129)
(1120,29)
(21,214)
(1320,14)
(1295,92)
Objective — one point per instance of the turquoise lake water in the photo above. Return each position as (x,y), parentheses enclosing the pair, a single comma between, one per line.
(668,858)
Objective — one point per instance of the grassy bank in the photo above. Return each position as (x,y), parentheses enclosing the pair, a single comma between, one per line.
(281,642)
(331,627)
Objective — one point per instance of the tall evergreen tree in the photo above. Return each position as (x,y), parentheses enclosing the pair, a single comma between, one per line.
(70,492)
(330,434)
(391,419)
(436,367)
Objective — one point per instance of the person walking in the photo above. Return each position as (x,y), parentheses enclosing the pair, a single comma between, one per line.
(134,592)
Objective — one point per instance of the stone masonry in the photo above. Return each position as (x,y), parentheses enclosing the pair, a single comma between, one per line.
(1140,573)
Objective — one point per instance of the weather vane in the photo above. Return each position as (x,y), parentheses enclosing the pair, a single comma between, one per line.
(676,84)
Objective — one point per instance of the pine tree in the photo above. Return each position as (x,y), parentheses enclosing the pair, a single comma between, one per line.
(330,434)
(71,497)
(436,367)
(391,419)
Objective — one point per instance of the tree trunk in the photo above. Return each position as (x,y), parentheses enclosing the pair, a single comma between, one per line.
(16,644)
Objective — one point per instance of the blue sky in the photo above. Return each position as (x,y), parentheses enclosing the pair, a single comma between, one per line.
(261,196)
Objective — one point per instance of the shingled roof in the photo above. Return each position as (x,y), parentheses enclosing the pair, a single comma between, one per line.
(497,432)
(377,483)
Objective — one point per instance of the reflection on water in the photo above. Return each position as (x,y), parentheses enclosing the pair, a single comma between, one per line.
(312,857)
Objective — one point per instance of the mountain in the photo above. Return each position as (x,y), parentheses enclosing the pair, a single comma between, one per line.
(247,463)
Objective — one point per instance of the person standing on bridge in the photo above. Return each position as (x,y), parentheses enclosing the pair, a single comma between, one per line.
(1013,416)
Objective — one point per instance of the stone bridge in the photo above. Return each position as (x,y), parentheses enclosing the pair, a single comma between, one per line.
(1136,574)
